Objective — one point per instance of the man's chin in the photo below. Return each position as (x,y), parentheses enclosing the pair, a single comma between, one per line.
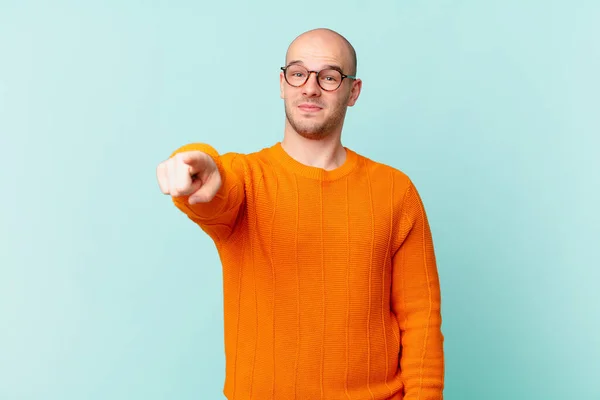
(312,135)
(311,132)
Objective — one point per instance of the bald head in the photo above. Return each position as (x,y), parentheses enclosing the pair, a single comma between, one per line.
(325,43)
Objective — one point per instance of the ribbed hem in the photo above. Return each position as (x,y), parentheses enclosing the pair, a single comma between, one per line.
(292,165)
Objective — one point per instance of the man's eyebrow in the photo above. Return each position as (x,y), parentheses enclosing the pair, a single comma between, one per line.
(328,66)
(336,67)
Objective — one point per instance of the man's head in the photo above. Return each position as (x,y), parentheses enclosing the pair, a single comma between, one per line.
(315,110)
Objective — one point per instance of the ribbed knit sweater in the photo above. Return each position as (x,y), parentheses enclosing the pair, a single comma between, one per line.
(330,282)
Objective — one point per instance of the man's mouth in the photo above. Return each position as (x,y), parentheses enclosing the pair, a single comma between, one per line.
(308,107)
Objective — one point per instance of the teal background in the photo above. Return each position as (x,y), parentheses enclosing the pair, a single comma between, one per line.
(108,292)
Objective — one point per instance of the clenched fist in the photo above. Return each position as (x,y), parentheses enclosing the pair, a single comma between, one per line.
(192,173)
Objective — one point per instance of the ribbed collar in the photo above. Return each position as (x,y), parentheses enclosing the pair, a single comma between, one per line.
(292,165)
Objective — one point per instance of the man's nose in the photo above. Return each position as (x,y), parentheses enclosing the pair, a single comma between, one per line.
(311,88)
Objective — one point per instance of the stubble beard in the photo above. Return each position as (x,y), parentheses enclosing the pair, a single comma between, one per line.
(313,130)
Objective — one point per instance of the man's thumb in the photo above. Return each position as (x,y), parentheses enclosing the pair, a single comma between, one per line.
(208,190)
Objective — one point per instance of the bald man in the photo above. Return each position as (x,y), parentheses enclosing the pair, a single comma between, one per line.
(330,282)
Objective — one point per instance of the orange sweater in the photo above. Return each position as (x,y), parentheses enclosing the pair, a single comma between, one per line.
(330,282)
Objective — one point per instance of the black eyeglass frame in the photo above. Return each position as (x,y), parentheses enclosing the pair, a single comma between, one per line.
(317,75)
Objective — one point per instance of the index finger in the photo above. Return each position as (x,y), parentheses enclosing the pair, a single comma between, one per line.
(161,176)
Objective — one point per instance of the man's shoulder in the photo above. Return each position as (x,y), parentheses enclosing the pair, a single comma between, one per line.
(383,169)
(253,156)
(254,162)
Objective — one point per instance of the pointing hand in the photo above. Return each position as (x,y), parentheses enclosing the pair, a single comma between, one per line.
(190,173)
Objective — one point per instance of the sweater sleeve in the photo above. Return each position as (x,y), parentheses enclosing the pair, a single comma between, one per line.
(416,301)
(218,217)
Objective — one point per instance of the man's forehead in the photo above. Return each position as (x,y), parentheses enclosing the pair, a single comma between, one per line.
(319,53)
(321,47)
(315,63)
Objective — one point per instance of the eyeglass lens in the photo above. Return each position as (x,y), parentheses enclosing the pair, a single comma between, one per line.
(329,79)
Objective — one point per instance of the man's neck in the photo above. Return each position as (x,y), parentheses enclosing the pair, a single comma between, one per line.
(326,153)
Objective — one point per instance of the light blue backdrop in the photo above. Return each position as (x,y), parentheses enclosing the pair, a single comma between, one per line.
(107,292)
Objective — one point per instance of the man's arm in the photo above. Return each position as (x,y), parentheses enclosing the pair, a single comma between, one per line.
(215,212)
(416,301)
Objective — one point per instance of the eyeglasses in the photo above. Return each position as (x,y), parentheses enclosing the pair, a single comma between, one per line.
(328,79)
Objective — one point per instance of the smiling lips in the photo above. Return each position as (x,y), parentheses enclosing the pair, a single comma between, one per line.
(308,107)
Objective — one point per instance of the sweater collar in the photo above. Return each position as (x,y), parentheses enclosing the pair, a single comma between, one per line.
(292,165)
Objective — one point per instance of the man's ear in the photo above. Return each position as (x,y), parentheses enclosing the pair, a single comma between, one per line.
(281,84)
(355,92)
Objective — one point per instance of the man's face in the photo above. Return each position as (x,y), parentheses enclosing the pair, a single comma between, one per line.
(311,111)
